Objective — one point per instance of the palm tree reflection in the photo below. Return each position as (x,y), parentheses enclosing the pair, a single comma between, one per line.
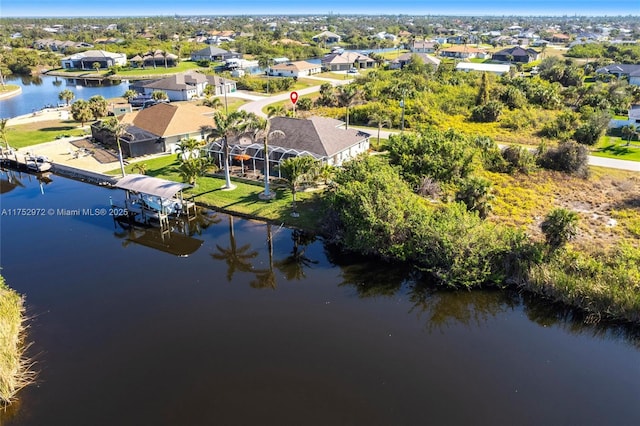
(266,278)
(236,258)
(293,266)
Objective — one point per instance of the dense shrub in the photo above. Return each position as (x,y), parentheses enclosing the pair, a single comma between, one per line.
(518,159)
(487,113)
(569,157)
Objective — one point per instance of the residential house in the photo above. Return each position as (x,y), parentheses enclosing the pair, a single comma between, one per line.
(462,39)
(86,60)
(491,68)
(464,52)
(58,45)
(347,60)
(515,54)
(559,38)
(630,71)
(109,40)
(423,46)
(159,128)
(634,115)
(327,37)
(212,53)
(324,139)
(178,87)
(221,85)
(295,69)
(404,59)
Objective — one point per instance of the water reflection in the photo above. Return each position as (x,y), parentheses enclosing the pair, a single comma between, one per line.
(238,259)
(177,240)
(266,278)
(439,308)
(294,265)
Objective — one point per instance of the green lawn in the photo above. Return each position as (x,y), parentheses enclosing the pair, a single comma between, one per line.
(244,199)
(232,103)
(334,75)
(615,147)
(142,72)
(287,103)
(40,132)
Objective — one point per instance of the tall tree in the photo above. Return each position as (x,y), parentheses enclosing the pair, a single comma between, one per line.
(483,91)
(379,118)
(228,127)
(628,132)
(3,131)
(347,96)
(117,130)
(99,106)
(297,170)
(81,111)
(263,131)
(264,61)
(66,95)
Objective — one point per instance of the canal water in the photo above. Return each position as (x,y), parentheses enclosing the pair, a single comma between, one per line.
(41,91)
(125,329)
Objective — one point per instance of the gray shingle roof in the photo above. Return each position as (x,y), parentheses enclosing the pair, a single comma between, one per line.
(318,135)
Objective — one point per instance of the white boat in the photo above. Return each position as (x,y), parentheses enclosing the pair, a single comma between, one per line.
(37,163)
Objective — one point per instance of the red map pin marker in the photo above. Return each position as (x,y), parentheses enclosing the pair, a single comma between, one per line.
(294,97)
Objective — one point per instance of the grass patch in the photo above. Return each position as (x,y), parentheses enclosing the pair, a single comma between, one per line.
(334,75)
(9,88)
(42,131)
(14,368)
(615,147)
(244,199)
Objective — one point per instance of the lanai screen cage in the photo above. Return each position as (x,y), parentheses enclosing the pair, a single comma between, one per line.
(255,153)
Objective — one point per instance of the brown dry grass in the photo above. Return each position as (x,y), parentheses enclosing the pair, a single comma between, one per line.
(608,203)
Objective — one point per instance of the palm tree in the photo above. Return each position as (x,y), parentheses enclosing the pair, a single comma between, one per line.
(347,96)
(3,131)
(236,258)
(276,110)
(229,126)
(264,61)
(188,149)
(559,227)
(212,102)
(66,95)
(628,132)
(117,130)
(379,118)
(296,170)
(141,168)
(96,66)
(159,95)
(130,94)
(263,131)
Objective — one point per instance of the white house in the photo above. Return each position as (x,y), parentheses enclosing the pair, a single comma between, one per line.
(86,60)
(295,69)
(184,87)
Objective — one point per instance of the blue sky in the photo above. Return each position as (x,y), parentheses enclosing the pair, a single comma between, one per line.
(39,8)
